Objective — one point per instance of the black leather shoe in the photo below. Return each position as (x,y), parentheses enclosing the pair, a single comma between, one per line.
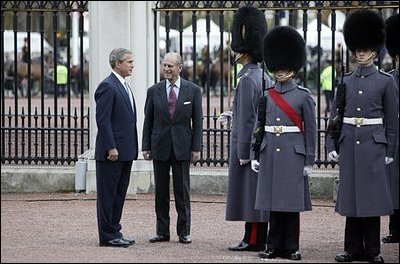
(390,239)
(159,238)
(243,246)
(185,239)
(375,259)
(268,254)
(293,255)
(117,242)
(131,241)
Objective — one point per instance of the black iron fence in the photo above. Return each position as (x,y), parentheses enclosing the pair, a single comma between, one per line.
(45,115)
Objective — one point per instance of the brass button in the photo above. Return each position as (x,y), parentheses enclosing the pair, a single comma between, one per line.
(358,109)
(358,126)
(360,92)
(278,149)
(277,134)
(358,142)
(278,119)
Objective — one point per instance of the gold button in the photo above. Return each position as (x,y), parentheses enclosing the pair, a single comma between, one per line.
(278,149)
(357,142)
(360,92)
(358,109)
(278,119)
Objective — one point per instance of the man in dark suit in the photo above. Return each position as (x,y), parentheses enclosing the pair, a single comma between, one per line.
(172,138)
(116,147)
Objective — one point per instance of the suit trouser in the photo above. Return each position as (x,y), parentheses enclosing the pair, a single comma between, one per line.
(255,233)
(181,184)
(284,231)
(362,235)
(112,180)
(394,223)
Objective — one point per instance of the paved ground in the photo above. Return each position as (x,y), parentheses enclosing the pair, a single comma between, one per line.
(63,228)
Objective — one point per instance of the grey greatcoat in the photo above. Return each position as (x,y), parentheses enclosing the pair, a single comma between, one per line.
(393,168)
(242,179)
(364,187)
(281,184)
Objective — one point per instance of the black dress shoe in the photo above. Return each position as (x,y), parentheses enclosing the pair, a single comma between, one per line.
(293,255)
(117,242)
(185,239)
(390,239)
(268,254)
(375,259)
(243,246)
(159,238)
(349,257)
(131,241)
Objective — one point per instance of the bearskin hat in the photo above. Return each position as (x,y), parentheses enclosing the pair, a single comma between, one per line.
(364,29)
(392,35)
(249,27)
(284,49)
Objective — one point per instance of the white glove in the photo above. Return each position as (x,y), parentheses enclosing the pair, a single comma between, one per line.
(307,170)
(225,117)
(333,156)
(255,165)
(388,160)
(243,161)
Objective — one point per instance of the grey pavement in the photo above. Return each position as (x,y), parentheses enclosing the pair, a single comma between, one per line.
(62,227)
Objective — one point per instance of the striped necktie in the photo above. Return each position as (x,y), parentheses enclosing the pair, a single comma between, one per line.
(171,100)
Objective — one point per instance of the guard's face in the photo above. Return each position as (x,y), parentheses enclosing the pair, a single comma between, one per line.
(171,68)
(365,57)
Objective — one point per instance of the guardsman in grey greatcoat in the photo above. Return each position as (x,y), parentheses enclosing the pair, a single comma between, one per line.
(248,29)
(392,45)
(367,141)
(288,147)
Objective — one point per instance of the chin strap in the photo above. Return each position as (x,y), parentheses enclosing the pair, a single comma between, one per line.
(281,77)
(367,60)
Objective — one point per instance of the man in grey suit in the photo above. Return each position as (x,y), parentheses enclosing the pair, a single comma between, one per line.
(172,133)
(116,147)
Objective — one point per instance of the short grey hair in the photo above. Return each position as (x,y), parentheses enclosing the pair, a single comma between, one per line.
(176,56)
(118,55)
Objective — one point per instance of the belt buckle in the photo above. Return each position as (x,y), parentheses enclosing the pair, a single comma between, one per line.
(359,121)
(277,129)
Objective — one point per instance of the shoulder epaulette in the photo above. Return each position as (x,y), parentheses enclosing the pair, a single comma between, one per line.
(384,73)
(391,71)
(348,73)
(303,88)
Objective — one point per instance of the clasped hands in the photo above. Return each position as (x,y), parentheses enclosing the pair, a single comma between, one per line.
(194,155)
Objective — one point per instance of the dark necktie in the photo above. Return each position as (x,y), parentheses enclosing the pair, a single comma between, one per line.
(171,101)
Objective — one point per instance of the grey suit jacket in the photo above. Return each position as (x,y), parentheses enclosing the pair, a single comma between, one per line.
(182,132)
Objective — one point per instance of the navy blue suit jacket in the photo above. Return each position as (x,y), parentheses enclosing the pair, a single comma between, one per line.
(116,121)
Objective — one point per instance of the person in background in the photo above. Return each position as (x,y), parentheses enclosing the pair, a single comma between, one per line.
(367,141)
(172,133)
(116,147)
(392,45)
(287,151)
(248,29)
(327,85)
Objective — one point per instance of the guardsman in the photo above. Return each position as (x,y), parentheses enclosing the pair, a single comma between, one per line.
(392,45)
(248,29)
(367,142)
(288,148)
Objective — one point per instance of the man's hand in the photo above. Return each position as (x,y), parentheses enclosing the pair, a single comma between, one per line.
(112,154)
(147,155)
(195,156)
(255,165)
(333,156)
(388,160)
(307,170)
(225,117)
(243,161)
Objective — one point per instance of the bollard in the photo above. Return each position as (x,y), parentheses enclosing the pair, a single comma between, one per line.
(80,176)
